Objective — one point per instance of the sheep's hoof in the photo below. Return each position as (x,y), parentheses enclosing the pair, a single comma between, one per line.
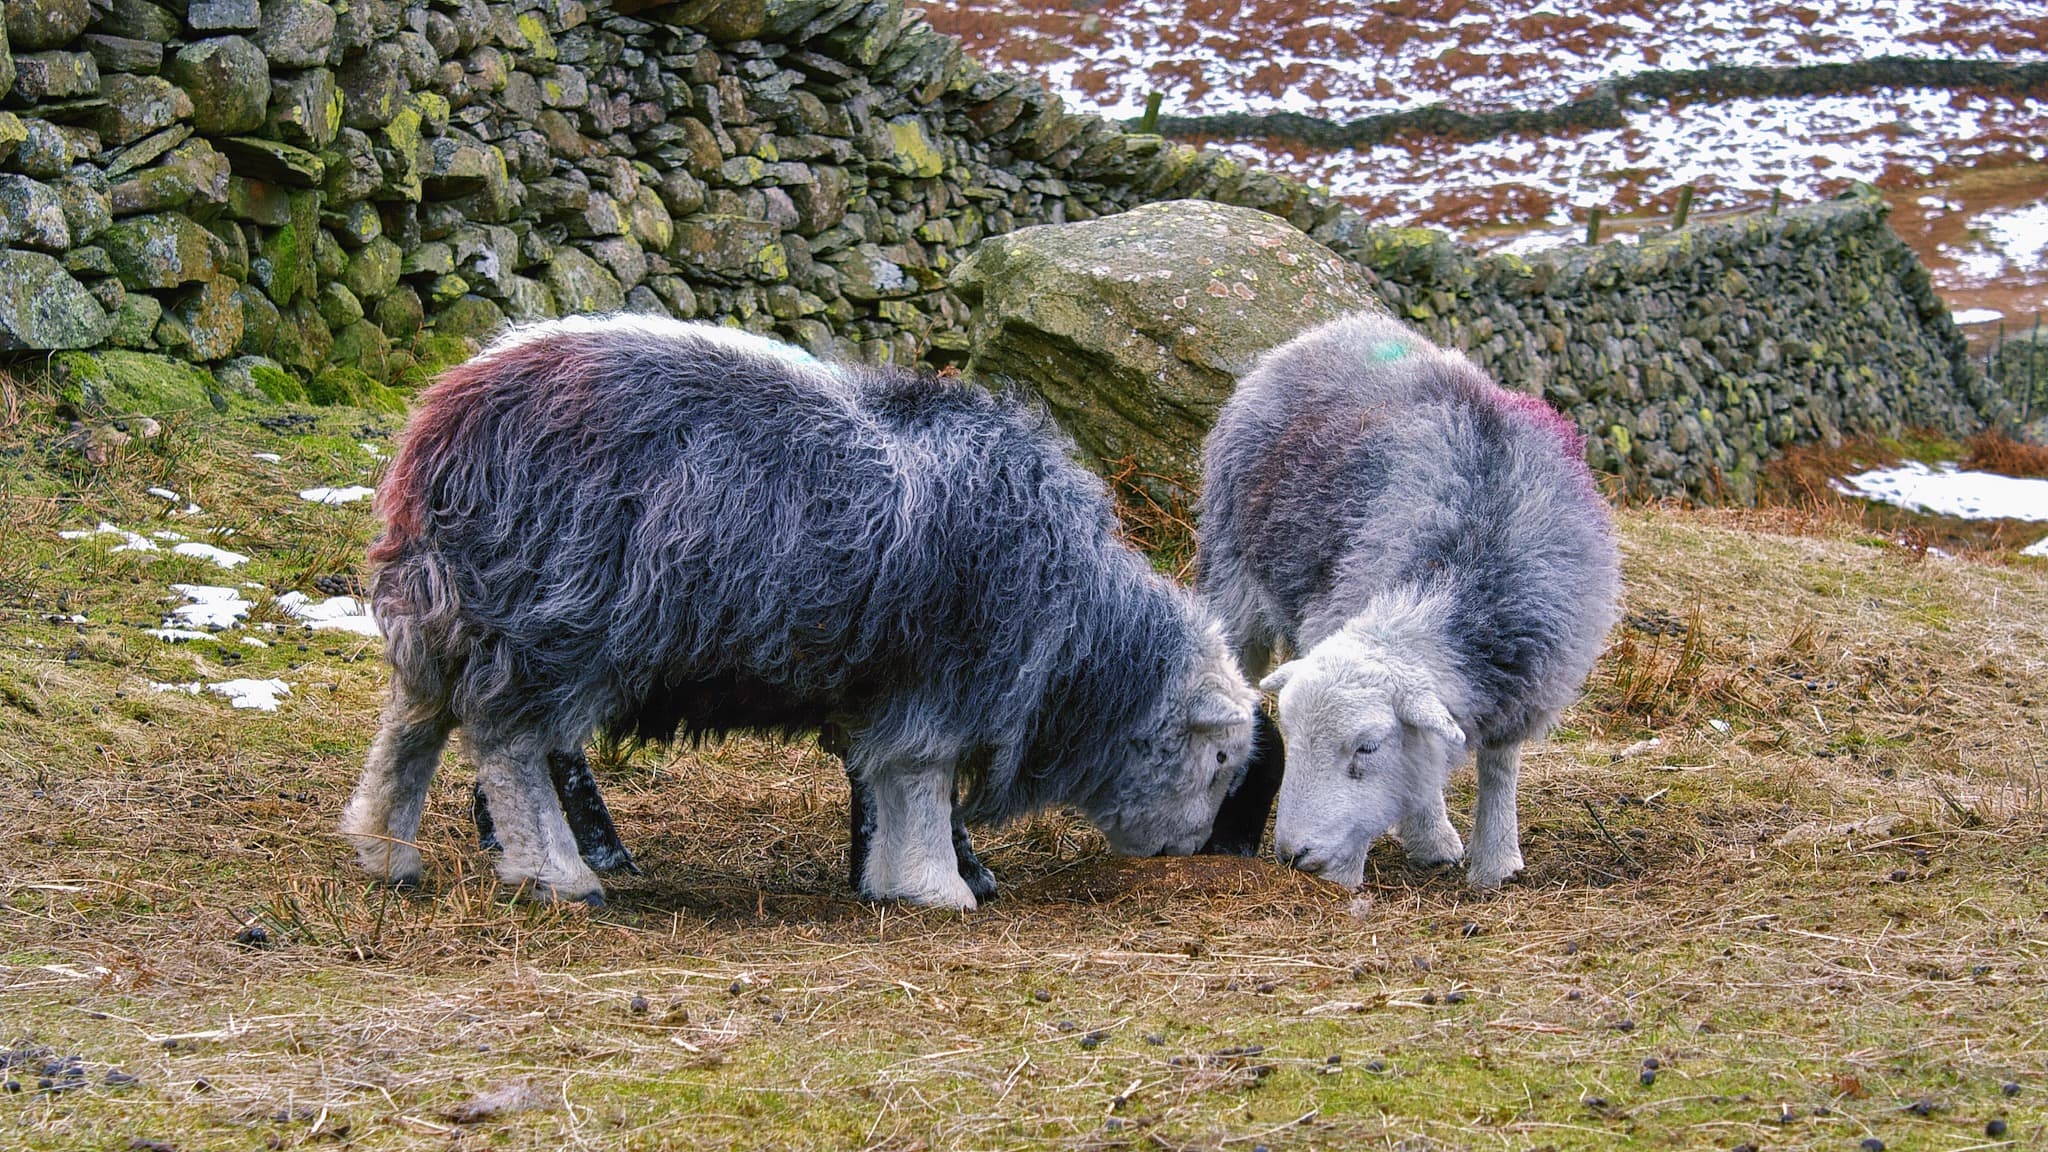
(611,859)
(949,891)
(980,881)
(1489,879)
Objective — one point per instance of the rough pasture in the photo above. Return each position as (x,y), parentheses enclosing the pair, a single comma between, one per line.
(1813,921)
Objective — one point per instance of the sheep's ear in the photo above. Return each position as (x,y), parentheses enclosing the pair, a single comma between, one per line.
(1425,711)
(1278,677)
(1215,712)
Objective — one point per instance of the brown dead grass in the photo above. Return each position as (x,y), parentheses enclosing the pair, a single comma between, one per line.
(1789,846)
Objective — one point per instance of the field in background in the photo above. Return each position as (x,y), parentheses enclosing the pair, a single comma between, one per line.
(1964,170)
(1784,890)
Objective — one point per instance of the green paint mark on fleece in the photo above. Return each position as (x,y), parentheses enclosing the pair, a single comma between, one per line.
(1389,350)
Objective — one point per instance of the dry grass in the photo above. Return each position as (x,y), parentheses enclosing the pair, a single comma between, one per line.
(1814,899)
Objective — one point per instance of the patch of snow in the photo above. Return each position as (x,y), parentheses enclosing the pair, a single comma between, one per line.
(165,494)
(372,449)
(1977,316)
(337,495)
(167,534)
(220,556)
(130,541)
(1945,491)
(208,606)
(268,457)
(259,694)
(344,613)
(173,635)
(253,642)
(2038,548)
(2020,233)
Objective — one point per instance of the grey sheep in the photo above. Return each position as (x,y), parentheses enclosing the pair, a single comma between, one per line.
(666,529)
(1431,551)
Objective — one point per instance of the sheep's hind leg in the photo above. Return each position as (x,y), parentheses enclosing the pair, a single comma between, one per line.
(539,849)
(597,838)
(1496,827)
(979,879)
(382,819)
(911,857)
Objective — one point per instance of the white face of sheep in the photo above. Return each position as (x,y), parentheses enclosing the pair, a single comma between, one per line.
(1366,742)
(1165,802)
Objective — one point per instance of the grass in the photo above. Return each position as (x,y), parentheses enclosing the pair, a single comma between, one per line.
(1815,900)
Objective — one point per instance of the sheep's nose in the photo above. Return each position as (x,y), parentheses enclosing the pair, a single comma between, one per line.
(1288,857)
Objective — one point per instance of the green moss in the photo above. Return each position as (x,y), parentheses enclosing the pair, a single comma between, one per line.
(278,384)
(123,381)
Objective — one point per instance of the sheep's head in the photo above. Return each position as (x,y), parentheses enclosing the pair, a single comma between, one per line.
(1164,803)
(1366,735)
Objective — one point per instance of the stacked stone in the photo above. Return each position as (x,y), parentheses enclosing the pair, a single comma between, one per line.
(316,198)
(1692,357)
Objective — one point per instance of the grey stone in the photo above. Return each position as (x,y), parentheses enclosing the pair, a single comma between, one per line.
(222,15)
(121,54)
(527,300)
(260,159)
(305,109)
(138,106)
(1135,327)
(373,87)
(469,316)
(32,215)
(139,20)
(41,76)
(354,224)
(229,82)
(33,25)
(192,171)
(205,323)
(42,307)
(580,284)
(159,251)
(623,258)
(142,153)
(373,269)
(400,313)
(134,321)
(296,33)
(339,306)
(45,151)
(732,248)
(86,209)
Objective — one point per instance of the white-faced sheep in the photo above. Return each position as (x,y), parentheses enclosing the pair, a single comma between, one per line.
(1431,550)
(666,529)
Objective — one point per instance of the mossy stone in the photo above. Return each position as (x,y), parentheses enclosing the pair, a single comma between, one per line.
(124,381)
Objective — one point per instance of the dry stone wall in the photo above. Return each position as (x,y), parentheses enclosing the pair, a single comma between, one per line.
(320,200)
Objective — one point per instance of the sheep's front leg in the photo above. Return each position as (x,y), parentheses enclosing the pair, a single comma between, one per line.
(911,856)
(1426,832)
(1496,829)
(861,814)
(597,838)
(539,849)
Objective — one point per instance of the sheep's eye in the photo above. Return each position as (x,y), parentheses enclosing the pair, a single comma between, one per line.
(1222,757)
(1367,749)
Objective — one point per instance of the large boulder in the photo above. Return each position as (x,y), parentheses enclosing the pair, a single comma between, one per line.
(1135,327)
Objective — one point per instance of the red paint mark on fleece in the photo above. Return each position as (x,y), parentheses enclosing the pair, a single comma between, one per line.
(1544,416)
(439,426)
